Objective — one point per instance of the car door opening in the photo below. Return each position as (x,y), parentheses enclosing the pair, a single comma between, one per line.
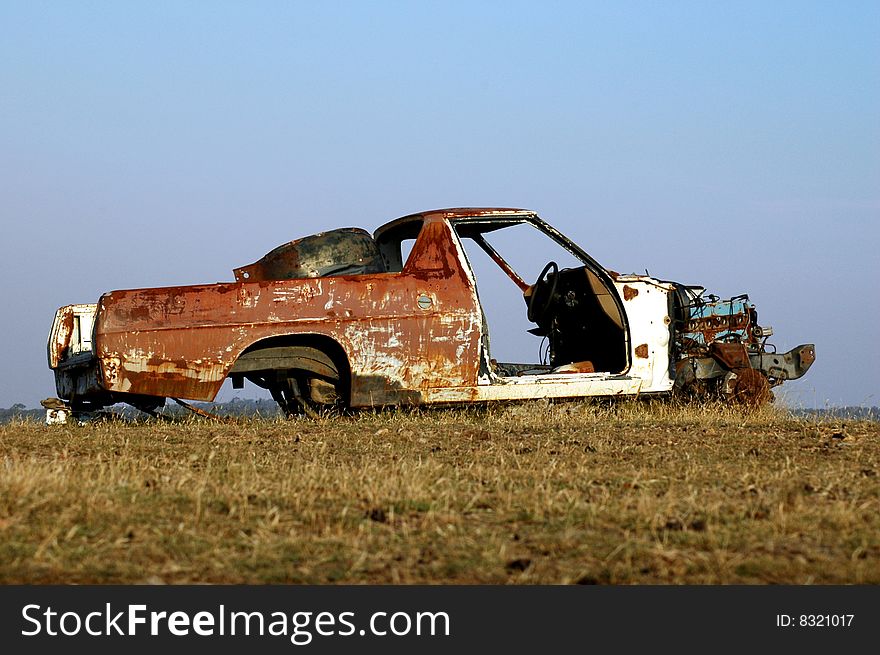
(568,305)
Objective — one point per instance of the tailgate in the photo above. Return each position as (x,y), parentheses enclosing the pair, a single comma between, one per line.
(70,340)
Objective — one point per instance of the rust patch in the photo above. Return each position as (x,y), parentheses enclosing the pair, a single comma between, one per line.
(808,356)
(642,351)
(374,390)
(713,326)
(59,344)
(751,388)
(731,355)
(629,292)
(576,367)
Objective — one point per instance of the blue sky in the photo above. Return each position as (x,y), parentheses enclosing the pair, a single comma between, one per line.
(732,145)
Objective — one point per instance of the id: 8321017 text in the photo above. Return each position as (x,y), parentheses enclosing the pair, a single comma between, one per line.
(814,620)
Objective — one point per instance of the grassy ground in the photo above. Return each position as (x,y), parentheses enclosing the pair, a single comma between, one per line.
(534,493)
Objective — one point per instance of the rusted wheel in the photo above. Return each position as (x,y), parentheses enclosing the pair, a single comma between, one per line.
(751,388)
(302,379)
(296,394)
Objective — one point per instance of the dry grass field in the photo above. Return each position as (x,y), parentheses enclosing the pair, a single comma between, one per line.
(534,493)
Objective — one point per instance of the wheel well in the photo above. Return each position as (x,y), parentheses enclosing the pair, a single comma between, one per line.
(319,354)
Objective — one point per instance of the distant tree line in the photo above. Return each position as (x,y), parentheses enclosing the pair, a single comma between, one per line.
(268,408)
(235,407)
(853,413)
(19,412)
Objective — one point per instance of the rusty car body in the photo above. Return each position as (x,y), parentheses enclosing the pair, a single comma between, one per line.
(347,319)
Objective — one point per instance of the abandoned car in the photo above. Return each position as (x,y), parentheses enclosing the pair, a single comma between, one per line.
(345,319)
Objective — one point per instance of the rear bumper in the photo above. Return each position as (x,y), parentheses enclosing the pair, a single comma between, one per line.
(71,353)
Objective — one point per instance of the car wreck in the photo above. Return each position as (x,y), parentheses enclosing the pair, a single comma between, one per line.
(346,319)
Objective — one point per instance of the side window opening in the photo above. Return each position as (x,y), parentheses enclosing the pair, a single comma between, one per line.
(577,326)
(396,245)
(406,246)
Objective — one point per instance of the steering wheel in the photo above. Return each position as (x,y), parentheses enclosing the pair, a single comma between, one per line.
(538,308)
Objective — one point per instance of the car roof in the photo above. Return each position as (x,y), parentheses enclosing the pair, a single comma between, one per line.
(458,213)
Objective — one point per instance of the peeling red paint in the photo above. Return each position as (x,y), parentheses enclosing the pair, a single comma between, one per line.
(182,341)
